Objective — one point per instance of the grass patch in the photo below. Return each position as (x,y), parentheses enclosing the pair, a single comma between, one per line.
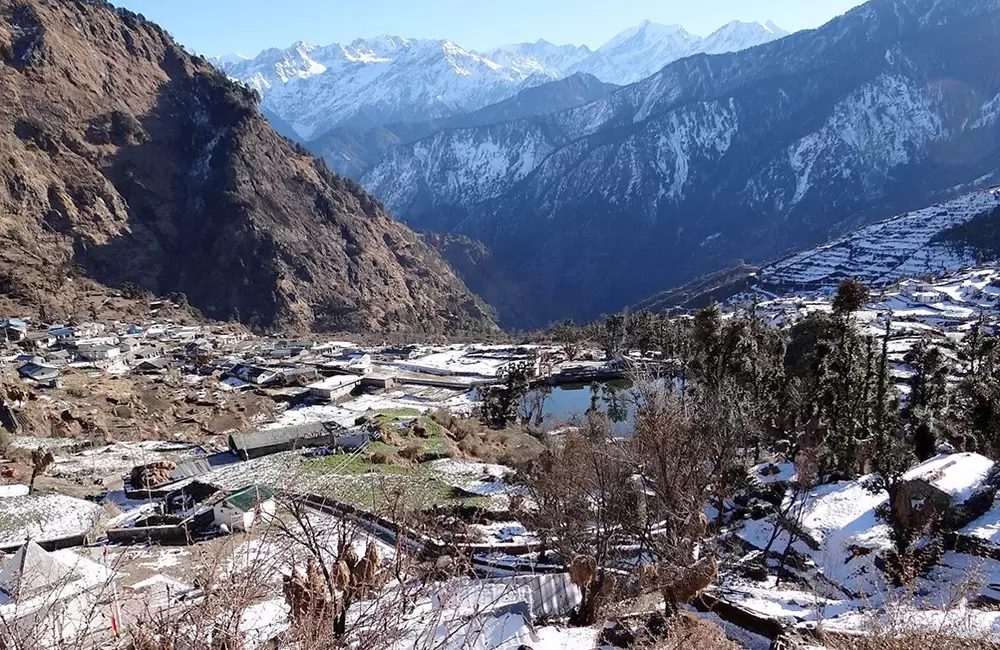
(395,415)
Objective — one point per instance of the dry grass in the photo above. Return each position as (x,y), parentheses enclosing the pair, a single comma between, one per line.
(512,446)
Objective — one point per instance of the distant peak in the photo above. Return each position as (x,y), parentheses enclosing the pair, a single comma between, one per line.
(773,28)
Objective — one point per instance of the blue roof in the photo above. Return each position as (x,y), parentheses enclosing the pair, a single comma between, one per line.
(15,323)
(61,331)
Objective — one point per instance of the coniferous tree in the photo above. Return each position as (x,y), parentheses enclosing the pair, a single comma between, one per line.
(928,397)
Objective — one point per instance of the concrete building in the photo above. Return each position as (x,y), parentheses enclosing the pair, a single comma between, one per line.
(334,387)
(243,509)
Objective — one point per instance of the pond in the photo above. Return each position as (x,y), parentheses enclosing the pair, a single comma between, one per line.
(554,407)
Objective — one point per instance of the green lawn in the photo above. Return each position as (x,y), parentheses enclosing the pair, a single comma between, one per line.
(375,485)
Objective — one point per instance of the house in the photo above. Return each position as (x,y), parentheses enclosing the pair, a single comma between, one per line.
(44,595)
(379,380)
(147,352)
(58,358)
(273,441)
(62,333)
(253,374)
(284,353)
(290,376)
(99,352)
(37,372)
(199,349)
(14,330)
(89,330)
(39,340)
(241,510)
(357,362)
(334,387)
(157,366)
(128,345)
(32,572)
(960,487)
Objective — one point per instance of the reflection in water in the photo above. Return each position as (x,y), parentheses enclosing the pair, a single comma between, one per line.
(552,407)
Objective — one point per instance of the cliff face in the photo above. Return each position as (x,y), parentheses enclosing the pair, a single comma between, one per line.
(128,160)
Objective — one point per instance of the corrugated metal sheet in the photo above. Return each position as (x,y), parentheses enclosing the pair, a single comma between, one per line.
(285,436)
(191,469)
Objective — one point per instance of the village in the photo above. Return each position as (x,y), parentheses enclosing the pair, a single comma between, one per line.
(148,463)
(145,444)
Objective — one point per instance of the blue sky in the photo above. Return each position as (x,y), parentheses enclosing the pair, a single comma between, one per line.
(215,27)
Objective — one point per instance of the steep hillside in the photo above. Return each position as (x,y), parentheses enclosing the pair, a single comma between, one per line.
(130,161)
(718,158)
(914,244)
(935,241)
(353,151)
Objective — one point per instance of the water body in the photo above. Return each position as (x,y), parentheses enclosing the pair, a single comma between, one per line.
(561,406)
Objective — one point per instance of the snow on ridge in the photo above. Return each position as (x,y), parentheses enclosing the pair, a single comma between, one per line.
(394,79)
(886,251)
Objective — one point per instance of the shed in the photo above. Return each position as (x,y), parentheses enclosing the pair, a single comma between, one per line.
(244,508)
(959,486)
(14,329)
(272,441)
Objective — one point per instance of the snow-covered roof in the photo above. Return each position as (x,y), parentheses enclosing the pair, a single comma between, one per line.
(32,571)
(957,475)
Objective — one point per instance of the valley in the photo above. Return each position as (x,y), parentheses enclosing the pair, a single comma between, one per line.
(670,342)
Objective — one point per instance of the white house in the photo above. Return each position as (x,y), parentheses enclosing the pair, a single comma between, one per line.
(99,352)
(241,510)
(334,387)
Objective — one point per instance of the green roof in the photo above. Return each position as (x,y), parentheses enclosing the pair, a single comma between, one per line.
(250,496)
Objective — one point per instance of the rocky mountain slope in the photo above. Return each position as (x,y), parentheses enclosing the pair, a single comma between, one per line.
(353,151)
(718,158)
(129,161)
(389,79)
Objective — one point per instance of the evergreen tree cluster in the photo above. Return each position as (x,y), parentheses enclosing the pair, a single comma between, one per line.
(825,375)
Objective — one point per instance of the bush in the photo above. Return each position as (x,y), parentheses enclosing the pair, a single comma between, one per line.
(411,452)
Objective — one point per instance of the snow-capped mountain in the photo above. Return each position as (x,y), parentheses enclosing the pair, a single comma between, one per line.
(376,81)
(391,79)
(635,53)
(542,57)
(639,52)
(745,155)
(352,151)
(736,36)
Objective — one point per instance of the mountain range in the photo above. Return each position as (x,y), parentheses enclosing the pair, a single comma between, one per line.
(715,159)
(132,163)
(391,79)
